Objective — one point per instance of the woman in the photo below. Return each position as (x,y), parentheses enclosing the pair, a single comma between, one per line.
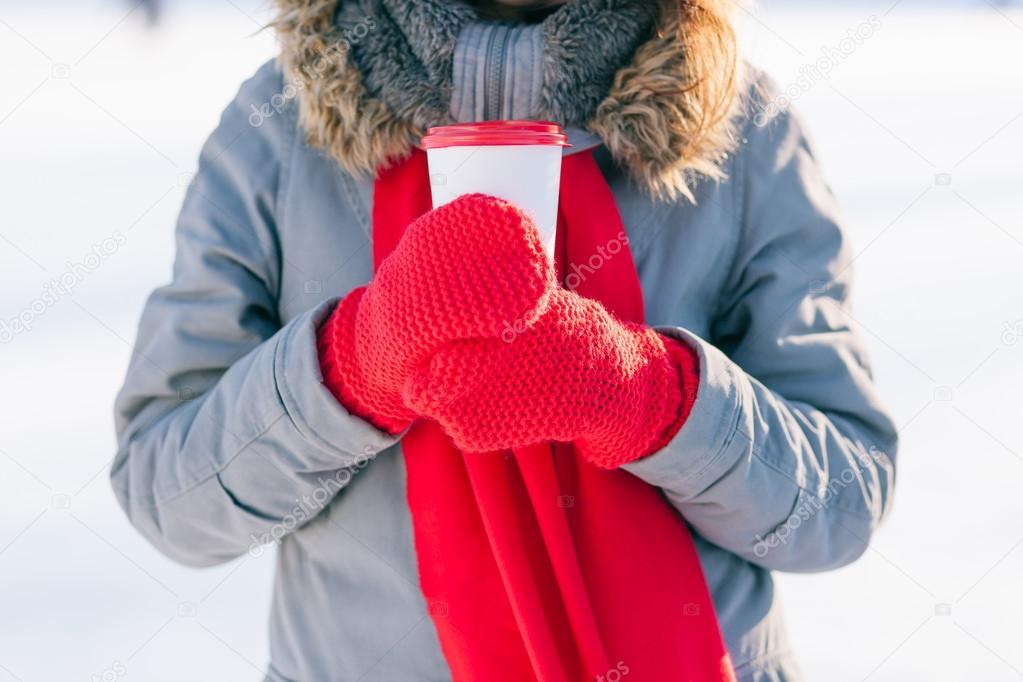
(601,493)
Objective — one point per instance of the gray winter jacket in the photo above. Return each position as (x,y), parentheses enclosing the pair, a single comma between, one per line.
(229,441)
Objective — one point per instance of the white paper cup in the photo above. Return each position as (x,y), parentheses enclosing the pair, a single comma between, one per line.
(518,161)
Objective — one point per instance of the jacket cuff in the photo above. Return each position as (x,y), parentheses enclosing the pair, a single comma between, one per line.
(309,403)
(700,452)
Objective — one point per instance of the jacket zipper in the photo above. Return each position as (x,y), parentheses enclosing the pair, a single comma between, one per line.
(497,53)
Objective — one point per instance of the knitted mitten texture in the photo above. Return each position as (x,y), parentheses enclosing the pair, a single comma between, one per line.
(618,390)
(463,271)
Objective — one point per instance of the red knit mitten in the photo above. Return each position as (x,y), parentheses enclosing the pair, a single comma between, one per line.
(468,269)
(618,390)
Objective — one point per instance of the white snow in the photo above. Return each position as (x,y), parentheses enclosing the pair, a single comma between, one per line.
(919,129)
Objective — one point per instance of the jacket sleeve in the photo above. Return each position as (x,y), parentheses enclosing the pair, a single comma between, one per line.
(788,457)
(227,438)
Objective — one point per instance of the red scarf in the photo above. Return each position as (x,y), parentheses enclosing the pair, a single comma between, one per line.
(534,563)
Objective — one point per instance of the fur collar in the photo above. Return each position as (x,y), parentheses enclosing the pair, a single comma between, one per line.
(652,134)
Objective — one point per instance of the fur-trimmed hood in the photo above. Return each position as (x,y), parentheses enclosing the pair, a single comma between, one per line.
(652,119)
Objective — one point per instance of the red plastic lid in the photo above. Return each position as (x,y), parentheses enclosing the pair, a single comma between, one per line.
(495,133)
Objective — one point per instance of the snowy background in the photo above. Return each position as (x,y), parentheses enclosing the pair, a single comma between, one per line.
(918,128)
